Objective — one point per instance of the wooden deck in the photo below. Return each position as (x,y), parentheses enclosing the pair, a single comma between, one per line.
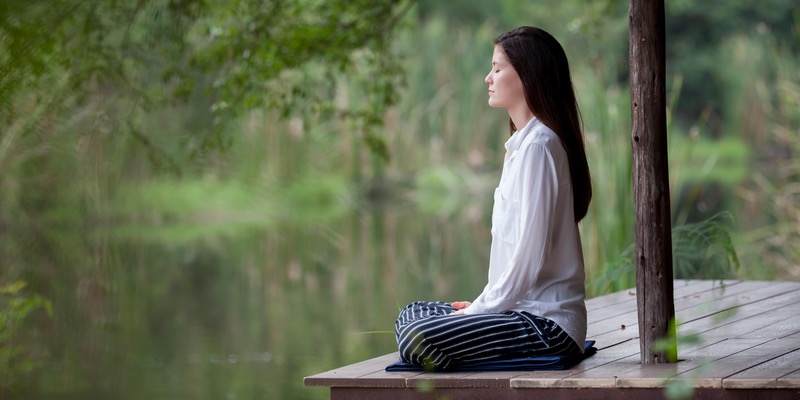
(748,348)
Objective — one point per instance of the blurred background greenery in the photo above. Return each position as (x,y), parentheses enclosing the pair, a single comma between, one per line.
(214,199)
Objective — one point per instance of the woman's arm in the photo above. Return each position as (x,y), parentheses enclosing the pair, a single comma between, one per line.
(538,184)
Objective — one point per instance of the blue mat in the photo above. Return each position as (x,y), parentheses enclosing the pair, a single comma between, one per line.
(550,363)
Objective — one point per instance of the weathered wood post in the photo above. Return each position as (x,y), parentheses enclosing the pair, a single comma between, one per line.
(650,177)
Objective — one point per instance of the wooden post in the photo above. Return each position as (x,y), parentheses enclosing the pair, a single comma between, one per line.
(651,178)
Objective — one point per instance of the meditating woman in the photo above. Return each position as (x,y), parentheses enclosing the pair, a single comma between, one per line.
(533,304)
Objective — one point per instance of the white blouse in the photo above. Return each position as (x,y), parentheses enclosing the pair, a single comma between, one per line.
(536,261)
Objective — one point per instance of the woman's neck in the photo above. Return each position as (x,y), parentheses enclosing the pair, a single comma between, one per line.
(520,116)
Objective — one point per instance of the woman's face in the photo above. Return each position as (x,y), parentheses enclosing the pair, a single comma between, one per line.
(505,87)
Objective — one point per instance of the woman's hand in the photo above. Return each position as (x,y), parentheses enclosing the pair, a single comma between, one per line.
(459,306)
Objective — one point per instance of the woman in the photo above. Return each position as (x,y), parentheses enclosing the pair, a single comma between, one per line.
(533,304)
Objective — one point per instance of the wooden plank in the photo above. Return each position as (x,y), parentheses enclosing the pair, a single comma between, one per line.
(682,302)
(611,300)
(493,379)
(606,375)
(553,394)
(462,380)
(348,375)
(729,311)
(626,299)
(702,300)
(621,349)
(633,376)
(786,323)
(555,379)
(621,333)
(510,394)
(789,381)
(712,376)
(761,291)
(766,374)
(691,288)
(695,307)
(629,295)
(683,289)
(383,379)
(756,321)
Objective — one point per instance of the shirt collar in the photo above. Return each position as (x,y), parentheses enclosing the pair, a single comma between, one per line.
(515,141)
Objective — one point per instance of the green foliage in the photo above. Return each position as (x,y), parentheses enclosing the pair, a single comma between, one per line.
(139,56)
(670,344)
(15,307)
(249,47)
(696,160)
(201,199)
(679,389)
(697,34)
(125,91)
(316,199)
(702,250)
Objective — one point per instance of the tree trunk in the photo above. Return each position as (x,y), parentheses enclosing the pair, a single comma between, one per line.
(651,179)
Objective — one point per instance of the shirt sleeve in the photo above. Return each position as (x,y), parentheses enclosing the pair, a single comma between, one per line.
(538,195)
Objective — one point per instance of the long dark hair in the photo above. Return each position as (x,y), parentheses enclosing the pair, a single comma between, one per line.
(542,66)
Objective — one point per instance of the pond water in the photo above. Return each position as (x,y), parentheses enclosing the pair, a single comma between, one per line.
(219,310)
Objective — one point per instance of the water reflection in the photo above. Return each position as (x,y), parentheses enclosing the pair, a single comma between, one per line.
(240,315)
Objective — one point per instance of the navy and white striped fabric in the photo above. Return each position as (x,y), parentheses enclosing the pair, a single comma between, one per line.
(427,335)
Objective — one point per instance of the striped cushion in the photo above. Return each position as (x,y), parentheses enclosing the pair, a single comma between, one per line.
(547,363)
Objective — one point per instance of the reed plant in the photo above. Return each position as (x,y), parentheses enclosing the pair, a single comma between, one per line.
(769,237)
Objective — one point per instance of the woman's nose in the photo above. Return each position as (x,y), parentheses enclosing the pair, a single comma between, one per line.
(487,79)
